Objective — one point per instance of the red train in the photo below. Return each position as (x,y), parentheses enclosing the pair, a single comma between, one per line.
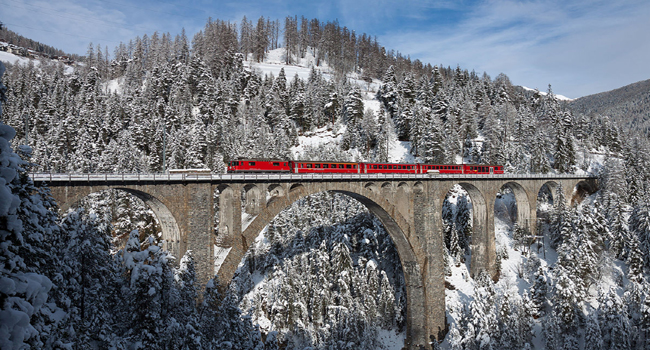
(298,167)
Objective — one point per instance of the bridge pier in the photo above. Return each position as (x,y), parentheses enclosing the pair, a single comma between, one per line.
(427,221)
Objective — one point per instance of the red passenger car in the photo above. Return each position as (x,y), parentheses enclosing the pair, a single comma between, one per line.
(482,169)
(382,168)
(441,168)
(300,167)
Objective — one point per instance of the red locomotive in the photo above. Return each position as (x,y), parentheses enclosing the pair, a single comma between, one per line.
(299,166)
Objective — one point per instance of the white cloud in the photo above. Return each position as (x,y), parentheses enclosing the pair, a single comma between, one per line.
(580,48)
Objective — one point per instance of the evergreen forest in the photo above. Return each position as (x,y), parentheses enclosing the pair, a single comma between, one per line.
(324,274)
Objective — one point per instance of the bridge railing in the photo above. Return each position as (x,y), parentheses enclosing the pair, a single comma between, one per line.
(126,177)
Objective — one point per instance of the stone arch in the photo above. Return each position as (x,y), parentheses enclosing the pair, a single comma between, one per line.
(372,187)
(546,197)
(274,191)
(171,233)
(296,188)
(523,204)
(402,198)
(580,191)
(253,204)
(394,223)
(482,245)
(552,187)
(418,188)
(226,214)
(387,189)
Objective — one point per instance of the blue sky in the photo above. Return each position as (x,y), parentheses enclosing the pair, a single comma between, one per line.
(580,47)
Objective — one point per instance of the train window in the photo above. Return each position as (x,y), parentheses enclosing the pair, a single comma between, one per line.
(276,164)
(399,167)
(348,166)
(251,163)
(236,163)
(309,166)
(317,166)
(326,166)
(355,166)
(374,166)
(340,166)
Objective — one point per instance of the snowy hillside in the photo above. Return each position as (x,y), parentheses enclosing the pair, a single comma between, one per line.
(10,58)
(559,97)
(275,60)
(325,138)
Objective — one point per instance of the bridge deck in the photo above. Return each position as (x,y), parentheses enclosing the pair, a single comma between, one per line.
(219,178)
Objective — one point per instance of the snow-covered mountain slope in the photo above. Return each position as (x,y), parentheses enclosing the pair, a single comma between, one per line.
(559,97)
(275,60)
(11,58)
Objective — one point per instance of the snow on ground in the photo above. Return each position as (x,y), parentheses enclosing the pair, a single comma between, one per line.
(392,340)
(322,137)
(399,152)
(274,61)
(13,59)
(114,86)
(559,97)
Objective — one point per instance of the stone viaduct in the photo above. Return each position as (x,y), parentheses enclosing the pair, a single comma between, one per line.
(408,205)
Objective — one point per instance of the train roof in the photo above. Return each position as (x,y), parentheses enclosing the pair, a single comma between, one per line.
(258,160)
(323,162)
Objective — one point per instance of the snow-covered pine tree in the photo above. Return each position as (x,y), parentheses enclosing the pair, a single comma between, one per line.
(565,157)
(559,218)
(149,290)
(29,264)
(538,292)
(593,336)
(184,307)
(483,309)
(93,284)
(639,224)
(508,334)
(614,321)
(388,94)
